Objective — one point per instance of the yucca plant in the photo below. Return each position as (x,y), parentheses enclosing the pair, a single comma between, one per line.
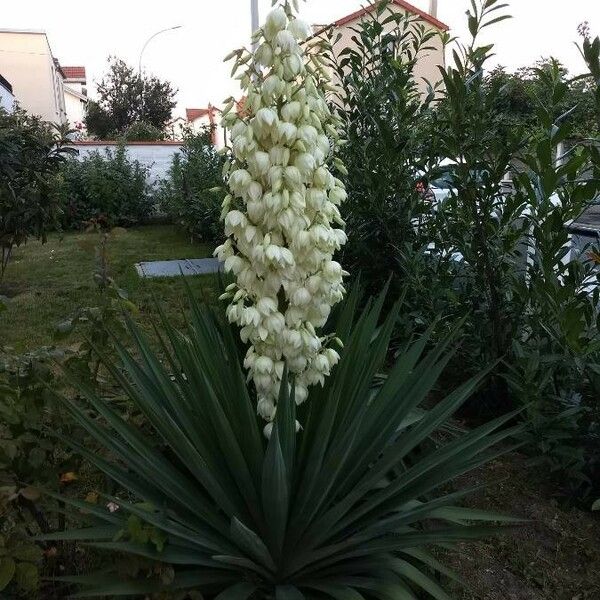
(341,492)
(343,508)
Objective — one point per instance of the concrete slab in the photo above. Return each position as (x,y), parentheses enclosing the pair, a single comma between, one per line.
(175,268)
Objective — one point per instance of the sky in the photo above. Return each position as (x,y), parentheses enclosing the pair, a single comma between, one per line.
(86,33)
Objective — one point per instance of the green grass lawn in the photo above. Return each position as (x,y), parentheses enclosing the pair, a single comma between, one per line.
(47,283)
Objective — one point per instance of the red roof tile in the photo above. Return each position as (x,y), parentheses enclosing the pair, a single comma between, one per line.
(402,4)
(74,72)
(195,113)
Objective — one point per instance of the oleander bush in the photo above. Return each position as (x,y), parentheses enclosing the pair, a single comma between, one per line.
(492,248)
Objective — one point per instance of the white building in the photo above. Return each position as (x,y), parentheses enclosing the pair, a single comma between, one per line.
(202,118)
(38,81)
(27,62)
(75,95)
(7,99)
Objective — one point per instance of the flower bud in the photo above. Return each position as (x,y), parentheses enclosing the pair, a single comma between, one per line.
(264,55)
(291,111)
(292,66)
(275,22)
(286,41)
(299,29)
(300,394)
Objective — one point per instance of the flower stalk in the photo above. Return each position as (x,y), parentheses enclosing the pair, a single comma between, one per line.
(282,218)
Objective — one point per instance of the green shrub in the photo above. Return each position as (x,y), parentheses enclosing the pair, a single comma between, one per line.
(142,132)
(31,153)
(528,301)
(344,505)
(185,194)
(30,459)
(109,188)
(492,252)
(385,150)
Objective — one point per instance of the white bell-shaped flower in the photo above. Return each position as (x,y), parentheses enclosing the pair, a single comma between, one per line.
(280,214)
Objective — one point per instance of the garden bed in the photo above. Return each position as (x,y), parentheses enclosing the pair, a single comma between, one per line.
(554,556)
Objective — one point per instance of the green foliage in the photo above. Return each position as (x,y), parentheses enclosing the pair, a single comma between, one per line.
(19,560)
(520,92)
(142,132)
(108,188)
(493,248)
(558,325)
(385,150)
(126,99)
(341,507)
(31,153)
(113,301)
(590,51)
(530,302)
(187,195)
(478,222)
(29,460)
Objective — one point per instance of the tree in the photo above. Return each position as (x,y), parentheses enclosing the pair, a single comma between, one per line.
(520,92)
(31,153)
(127,98)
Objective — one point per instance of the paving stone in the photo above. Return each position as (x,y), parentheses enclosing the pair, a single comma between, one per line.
(176,268)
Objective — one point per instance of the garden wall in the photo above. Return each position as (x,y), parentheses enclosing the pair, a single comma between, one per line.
(157,156)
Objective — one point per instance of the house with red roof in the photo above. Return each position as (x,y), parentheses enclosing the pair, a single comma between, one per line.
(76,98)
(426,69)
(205,118)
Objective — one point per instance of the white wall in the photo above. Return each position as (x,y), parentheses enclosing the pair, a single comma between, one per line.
(155,155)
(6,98)
(75,108)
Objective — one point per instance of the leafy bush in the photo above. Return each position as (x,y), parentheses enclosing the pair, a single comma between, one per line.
(530,302)
(559,299)
(385,150)
(342,505)
(513,101)
(142,132)
(186,196)
(30,459)
(492,249)
(31,153)
(109,188)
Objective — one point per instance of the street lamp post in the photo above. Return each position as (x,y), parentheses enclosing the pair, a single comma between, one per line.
(254,20)
(150,39)
(142,54)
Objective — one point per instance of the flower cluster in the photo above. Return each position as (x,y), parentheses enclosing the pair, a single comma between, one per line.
(281,216)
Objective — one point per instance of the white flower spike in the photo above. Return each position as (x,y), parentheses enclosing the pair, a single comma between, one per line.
(282,216)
